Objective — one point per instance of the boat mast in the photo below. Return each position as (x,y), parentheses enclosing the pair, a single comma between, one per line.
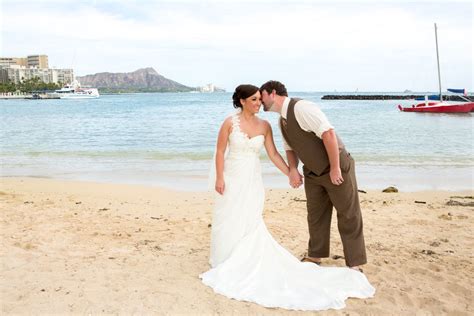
(437,58)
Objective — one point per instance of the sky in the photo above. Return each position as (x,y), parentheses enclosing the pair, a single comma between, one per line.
(308,45)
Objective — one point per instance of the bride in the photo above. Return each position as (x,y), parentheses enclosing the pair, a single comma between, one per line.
(247,264)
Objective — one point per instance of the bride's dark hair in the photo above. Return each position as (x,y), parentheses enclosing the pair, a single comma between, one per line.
(243,92)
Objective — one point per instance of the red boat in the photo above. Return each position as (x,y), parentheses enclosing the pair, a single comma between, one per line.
(440,107)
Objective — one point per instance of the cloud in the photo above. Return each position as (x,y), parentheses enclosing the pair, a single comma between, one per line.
(199,42)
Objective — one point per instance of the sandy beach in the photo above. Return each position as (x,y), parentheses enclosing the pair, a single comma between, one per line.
(79,247)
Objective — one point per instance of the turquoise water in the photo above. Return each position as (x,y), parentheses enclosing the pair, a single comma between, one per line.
(168,139)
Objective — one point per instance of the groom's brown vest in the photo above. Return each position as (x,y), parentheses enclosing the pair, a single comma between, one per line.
(309,147)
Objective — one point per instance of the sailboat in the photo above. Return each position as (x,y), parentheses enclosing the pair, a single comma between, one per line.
(441,106)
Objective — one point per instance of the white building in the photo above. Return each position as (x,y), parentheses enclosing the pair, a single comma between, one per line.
(207,88)
(17,74)
(16,70)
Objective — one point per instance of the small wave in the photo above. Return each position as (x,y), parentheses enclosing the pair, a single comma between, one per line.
(146,155)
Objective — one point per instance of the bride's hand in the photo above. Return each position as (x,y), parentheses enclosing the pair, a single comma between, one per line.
(220,186)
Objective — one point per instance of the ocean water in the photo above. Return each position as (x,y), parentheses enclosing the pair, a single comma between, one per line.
(168,139)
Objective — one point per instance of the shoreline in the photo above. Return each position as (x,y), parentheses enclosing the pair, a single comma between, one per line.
(85,247)
(162,186)
(170,176)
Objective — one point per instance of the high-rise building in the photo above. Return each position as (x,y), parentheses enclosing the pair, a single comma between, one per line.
(38,61)
(9,61)
(34,66)
(17,74)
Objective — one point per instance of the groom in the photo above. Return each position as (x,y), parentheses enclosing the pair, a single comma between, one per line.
(329,174)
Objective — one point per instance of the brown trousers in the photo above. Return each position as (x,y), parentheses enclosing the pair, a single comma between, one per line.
(321,196)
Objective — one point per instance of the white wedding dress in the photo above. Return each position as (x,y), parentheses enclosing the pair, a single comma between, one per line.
(247,263)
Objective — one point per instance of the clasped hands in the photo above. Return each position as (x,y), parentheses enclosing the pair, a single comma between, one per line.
(295,178)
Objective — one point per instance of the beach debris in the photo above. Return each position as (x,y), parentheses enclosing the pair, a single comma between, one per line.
(209,225)
(112,258)
(420,202)
(298,200)
(149,243)
(445,216)
(428,252)
(374,210)
(335,257)
(78,202)
(145,242)
(386,261)
(444,239)
(390,190)
(362,191)
(103,209)
(462,197)
(435,244)
(28,202)
(457,203)
(43,290)
(157,218)
(193,250)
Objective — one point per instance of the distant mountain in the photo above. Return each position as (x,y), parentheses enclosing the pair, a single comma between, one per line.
(141,80)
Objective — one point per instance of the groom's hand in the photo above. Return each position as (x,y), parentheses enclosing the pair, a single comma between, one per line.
(296,179)
(336,176)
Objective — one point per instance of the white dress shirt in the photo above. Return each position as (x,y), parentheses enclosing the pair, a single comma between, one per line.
(309,116)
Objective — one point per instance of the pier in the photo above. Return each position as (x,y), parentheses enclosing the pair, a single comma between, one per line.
(27,96)
(388,97)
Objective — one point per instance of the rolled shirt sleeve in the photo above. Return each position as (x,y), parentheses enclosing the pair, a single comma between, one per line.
(311,119)
(285,145)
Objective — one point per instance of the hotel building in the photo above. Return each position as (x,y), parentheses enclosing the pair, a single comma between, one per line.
(18,69)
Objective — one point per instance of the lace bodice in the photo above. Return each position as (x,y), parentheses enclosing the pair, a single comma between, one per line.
(241,143)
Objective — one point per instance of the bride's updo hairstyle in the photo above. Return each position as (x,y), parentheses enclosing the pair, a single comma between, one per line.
(243,92)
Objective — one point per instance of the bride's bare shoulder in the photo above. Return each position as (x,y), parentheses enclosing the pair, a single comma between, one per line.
(228,120)
(266,124)
(227,123)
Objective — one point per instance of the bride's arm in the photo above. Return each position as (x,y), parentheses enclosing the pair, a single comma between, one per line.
(273,153)
(222,139)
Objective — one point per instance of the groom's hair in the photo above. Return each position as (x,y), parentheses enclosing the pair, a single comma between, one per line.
(271,85)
